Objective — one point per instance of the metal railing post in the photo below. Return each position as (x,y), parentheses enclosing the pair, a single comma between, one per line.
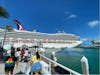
(85,65)
(54,58)
(49,67)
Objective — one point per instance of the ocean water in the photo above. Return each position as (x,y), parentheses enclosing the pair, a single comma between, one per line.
(72,58)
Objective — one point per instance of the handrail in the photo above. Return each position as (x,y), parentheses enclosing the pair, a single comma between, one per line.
(71,71)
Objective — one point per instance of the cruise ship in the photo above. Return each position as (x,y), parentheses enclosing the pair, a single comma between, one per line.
(31,38)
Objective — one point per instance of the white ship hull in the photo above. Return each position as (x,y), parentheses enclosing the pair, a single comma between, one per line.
(49,45)
(61,45)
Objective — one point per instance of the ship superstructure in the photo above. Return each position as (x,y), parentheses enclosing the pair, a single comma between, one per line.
(22,37)
(57,40)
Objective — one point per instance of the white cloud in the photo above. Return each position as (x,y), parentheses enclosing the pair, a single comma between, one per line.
(69,15)
(94,23)
(72,16)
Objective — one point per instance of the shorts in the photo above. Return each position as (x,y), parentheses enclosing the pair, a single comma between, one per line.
(36,67)
(9,69)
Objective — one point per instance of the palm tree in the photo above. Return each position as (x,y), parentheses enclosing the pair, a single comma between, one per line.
(3,12)
(9,28)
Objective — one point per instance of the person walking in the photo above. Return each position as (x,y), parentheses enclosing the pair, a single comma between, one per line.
(22,53)
(17,54)
(10,62)
(13,51)
(26,54)
(1,53)
(36,66)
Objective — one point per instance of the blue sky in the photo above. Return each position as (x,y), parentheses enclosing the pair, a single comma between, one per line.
(79,17)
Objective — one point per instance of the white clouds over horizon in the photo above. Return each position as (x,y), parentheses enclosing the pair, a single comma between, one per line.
(93,23)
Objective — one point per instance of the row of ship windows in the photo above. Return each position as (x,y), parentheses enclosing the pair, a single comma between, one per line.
(16,41)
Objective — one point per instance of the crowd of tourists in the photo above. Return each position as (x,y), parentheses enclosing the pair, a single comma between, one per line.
(24,56)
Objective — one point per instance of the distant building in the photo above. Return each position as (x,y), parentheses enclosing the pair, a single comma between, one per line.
(96,43)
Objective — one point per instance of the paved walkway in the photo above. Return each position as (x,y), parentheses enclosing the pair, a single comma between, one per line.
(16,70)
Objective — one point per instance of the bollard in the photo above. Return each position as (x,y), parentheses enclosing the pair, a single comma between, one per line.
(54,58)
(85,66)
(43,51)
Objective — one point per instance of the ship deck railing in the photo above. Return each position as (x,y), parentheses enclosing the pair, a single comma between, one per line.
(50,62)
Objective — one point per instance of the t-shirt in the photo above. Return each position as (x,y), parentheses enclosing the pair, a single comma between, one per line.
(10,61)
(22,53)
(34,59)
(17,54)
(26,53)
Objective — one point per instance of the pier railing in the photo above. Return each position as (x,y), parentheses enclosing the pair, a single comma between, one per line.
(72,72)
